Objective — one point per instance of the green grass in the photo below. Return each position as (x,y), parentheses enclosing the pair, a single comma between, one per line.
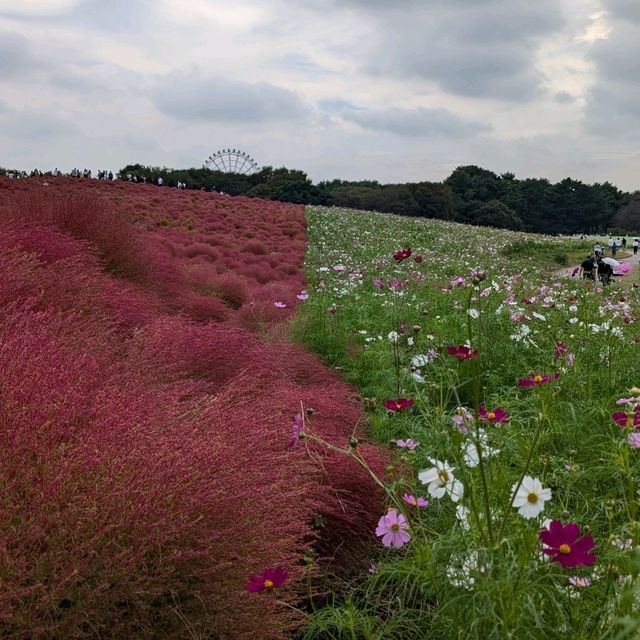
(479,582)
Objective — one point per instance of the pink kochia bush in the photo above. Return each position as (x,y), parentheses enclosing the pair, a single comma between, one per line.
(144,464)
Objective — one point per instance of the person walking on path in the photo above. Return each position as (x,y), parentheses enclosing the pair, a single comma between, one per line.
(636,242)
(624,243)
(614,248)
(598,250)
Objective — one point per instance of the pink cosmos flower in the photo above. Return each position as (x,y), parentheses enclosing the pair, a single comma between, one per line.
(494,416)
(298,426)
(535,380)
(338,267)
(270,579)
(579,581)
(303,295)
(392,528)
(415,501)
(279,304)
(402,254)
(462,352)
(571,358)
(399,404)
(626,420)
(406,444)
(378,282)
(634,439)
(565,546)
(395,284)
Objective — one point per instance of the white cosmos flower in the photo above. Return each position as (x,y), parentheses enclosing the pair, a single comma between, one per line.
(462,513)
(530,498)
(474,313)
(393,337)
(470,451)
(441,481)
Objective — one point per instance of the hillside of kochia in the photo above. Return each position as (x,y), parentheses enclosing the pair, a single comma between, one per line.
(510,396)
(147,401)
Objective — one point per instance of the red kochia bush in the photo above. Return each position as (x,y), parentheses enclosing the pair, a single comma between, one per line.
(145,473)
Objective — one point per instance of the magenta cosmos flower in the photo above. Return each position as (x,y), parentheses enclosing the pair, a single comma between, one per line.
(399,404)
(462,352)
(565,546)
(415,501)
(402,254)
(560,348)
(270,579)
(536,379)
(392,528)
(494,416)
(627,420)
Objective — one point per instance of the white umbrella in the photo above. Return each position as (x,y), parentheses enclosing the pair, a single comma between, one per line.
(611,261)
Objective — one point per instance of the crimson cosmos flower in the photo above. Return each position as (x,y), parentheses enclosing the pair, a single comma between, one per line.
(535,380)
(565,546)
(560,349)
(269,579)
(627,419)
(494,416)
(462,352)
(399,404)
(402,254)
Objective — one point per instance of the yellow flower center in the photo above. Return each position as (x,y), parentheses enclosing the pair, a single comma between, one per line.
(537,378)
(268,584)
(564,549)
(532,498)
(443,475)
(395,527)
(491,415)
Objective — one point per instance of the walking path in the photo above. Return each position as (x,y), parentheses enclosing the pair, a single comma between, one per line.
(630,259)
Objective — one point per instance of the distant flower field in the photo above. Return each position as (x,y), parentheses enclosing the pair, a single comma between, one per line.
(508,398)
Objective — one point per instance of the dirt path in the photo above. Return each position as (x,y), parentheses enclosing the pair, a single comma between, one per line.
(628,259)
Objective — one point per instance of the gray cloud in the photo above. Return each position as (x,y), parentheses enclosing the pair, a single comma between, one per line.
(484,50)
(613,102)
(624,9)
(218,99)
(16,58)
(419,122)
(32,125)
(563,97)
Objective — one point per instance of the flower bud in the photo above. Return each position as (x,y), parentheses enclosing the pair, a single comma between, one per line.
(353,443)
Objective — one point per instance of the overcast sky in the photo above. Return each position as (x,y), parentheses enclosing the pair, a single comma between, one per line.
(393,91)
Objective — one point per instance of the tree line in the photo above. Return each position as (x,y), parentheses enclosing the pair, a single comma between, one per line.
(471,195)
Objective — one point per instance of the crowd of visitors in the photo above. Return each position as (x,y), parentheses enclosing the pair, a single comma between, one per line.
(102,174)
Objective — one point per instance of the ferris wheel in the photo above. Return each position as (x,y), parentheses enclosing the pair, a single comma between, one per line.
(232,161)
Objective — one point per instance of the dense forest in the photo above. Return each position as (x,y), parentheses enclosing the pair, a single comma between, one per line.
(471,195)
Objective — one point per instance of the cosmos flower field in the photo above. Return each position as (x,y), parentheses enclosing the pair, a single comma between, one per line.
(509,399)
(232,418)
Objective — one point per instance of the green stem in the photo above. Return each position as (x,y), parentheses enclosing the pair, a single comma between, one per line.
(534,443)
